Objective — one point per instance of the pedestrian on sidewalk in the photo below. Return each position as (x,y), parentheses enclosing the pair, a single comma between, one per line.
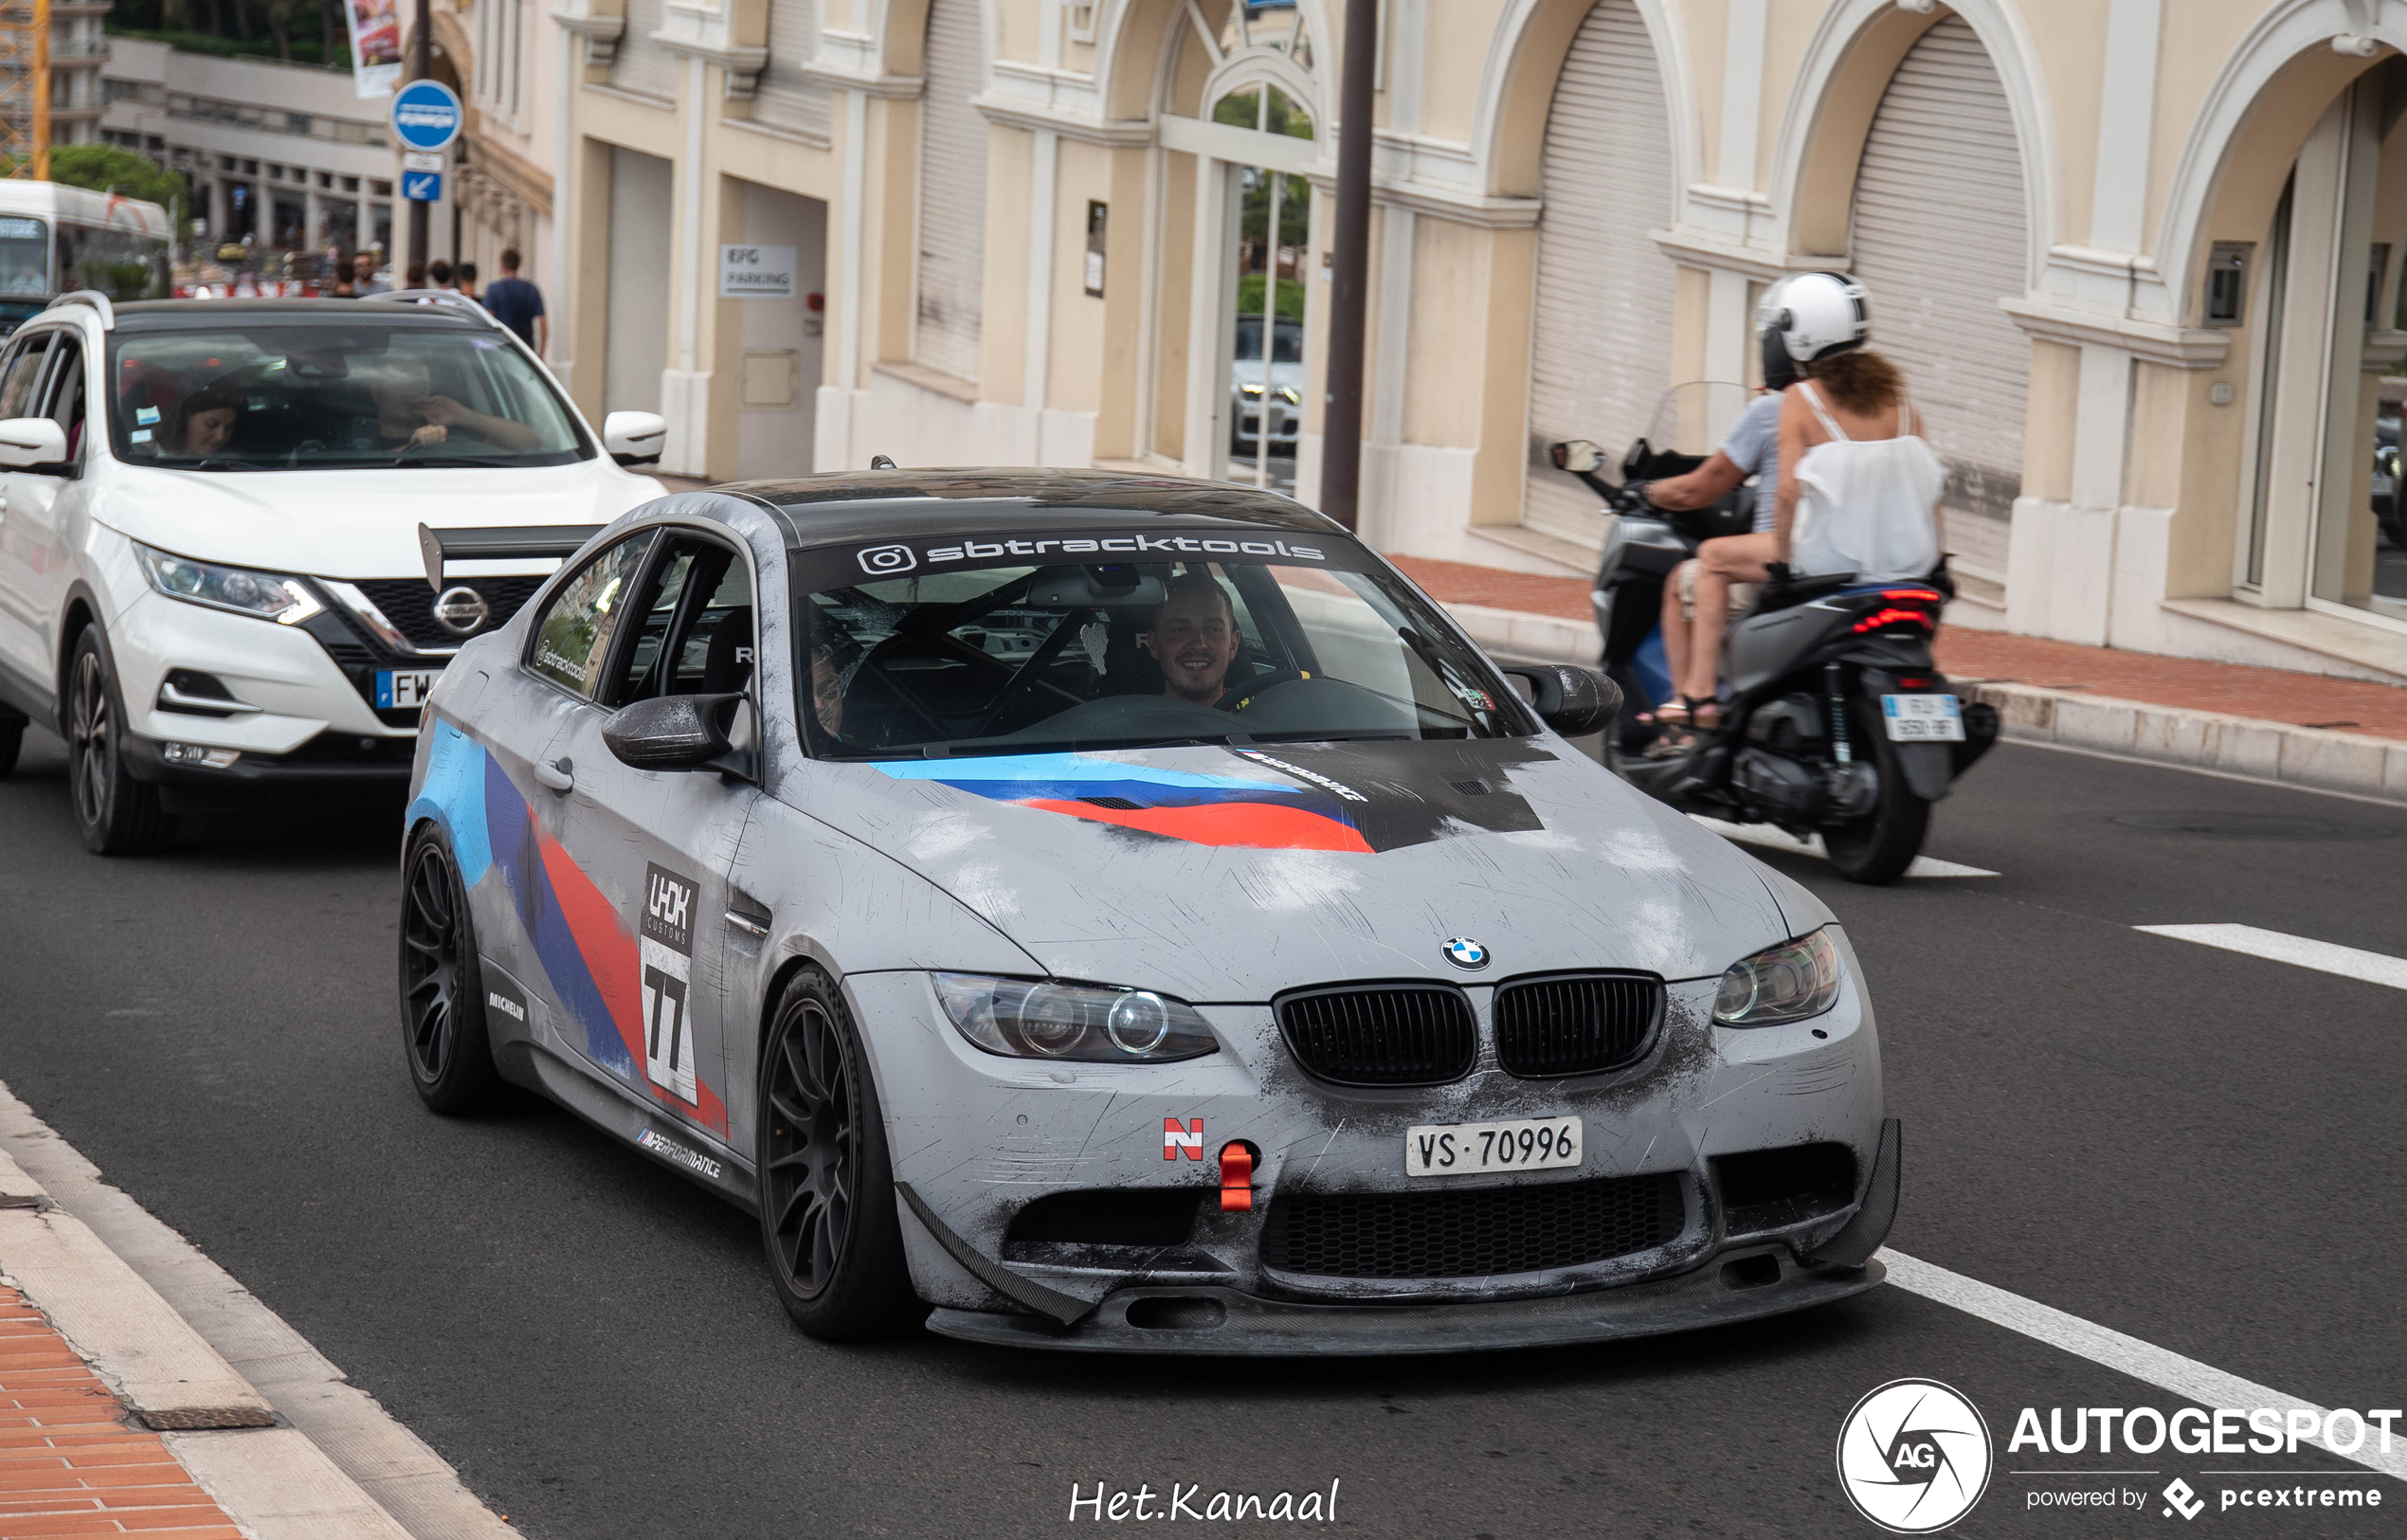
(518,304)
(465,276)
(364,281)
(439,272)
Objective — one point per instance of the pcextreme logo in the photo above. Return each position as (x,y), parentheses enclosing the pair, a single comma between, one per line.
(1914,1456)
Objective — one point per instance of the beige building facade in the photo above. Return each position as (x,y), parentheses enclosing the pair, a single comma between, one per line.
(2139,258)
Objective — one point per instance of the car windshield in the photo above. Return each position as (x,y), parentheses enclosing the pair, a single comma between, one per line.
(348,392)
(1287,341)
(985,647)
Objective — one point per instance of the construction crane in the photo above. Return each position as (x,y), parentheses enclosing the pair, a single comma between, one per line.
(25,87)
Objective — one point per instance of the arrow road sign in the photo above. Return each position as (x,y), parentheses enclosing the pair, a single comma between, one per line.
(426,115)
(422,187)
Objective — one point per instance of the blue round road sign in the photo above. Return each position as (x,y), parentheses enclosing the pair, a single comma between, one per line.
(426,115)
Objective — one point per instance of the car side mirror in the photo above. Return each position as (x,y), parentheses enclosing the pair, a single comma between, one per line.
(1579,455)
(32,442)
(634,438)
(673,731)
(1574,702)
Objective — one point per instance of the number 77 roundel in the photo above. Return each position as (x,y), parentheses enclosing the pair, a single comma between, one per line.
(665,954)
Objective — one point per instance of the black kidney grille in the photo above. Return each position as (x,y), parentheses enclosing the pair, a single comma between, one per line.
(1397,1035)
(1473,1234)
(410,603)
(1576,1024)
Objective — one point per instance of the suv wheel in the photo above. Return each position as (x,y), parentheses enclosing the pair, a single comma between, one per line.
(117,814)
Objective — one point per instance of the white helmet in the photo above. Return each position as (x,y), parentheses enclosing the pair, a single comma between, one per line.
(1813,315)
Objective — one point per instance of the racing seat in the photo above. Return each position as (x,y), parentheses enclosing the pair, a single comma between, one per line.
(728,665)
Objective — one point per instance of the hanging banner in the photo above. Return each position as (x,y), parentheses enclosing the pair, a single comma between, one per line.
(376,44)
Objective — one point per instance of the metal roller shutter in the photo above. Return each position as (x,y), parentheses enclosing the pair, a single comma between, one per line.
(1601,344)
(641,65)
(786,97)
(1939,239)
(952,192)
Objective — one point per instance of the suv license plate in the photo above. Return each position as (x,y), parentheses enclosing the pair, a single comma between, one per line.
(1923,718)
(404,689)
(1525,1144)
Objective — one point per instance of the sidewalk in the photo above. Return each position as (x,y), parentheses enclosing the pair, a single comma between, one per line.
(2266,723)
(72,1459)
(122,1413)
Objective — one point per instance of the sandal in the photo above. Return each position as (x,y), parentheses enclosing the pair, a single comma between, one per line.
(1677,735)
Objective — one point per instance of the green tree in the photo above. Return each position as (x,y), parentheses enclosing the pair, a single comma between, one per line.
(105,167)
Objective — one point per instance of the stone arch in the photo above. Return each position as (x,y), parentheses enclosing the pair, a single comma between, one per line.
(2251,126)
(1516,92)
(1839,87)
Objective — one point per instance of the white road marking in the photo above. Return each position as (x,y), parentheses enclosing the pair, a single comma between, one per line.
(2202,1385)
(2323,957)
(1775,839)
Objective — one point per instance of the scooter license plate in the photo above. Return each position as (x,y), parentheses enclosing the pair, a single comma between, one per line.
(1923,718)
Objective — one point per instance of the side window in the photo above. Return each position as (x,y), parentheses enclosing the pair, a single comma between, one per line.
(573,635)
(21,372)
(67,393)
(698,627)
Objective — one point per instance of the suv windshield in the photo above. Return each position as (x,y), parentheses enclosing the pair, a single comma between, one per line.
(326,395)
(1277,639)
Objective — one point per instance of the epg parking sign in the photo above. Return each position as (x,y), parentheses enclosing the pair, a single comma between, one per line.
(1914,1456)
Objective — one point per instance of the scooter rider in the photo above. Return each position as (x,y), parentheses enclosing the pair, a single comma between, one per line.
(1703,586)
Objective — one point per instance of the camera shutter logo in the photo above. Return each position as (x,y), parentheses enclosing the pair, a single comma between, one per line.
(1914,1456)
(885,561)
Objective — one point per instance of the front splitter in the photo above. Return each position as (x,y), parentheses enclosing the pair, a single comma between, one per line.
(1224,1322)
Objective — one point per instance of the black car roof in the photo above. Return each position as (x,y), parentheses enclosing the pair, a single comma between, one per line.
(201,314)
(849,506)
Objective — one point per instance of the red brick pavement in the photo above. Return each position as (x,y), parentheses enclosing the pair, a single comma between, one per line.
(2271,694)
(70,1463)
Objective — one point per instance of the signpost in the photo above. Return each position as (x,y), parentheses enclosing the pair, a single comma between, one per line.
(426,116)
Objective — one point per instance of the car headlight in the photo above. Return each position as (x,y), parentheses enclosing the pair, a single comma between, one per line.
(1252,393)
(1787,983)
(1289,394)
(1084,1021)
(286,601)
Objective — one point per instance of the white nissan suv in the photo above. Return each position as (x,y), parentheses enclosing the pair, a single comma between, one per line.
(213,576)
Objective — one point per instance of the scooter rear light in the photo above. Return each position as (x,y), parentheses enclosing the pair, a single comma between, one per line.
(1237,1177)
(1927,597)
(1880,619)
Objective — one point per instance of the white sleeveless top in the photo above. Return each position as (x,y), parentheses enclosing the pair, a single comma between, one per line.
(1865,504)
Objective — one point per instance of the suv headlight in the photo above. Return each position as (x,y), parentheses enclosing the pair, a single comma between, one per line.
(1787,983)
(270,596)
(1084,1021)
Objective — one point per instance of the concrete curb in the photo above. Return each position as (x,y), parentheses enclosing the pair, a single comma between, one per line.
(2314,759)
(165,1326)
(1520,634)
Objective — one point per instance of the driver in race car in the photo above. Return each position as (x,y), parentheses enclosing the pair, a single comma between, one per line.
(1195,639)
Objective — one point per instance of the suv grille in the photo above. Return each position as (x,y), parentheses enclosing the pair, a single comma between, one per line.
(410,603)
(1474,1234)
(1398,1034)
(1576,1025)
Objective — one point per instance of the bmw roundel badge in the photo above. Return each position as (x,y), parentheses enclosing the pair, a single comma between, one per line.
(1465,953)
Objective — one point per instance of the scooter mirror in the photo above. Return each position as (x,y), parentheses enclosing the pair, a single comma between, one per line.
(1578,456)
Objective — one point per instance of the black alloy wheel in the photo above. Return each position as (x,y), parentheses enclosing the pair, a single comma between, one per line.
(442,1015)
(116,814)
(828,1217)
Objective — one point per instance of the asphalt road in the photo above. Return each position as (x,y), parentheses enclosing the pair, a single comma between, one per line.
(2197,1148)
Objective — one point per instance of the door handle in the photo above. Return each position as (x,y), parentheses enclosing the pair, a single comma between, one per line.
(560,777)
